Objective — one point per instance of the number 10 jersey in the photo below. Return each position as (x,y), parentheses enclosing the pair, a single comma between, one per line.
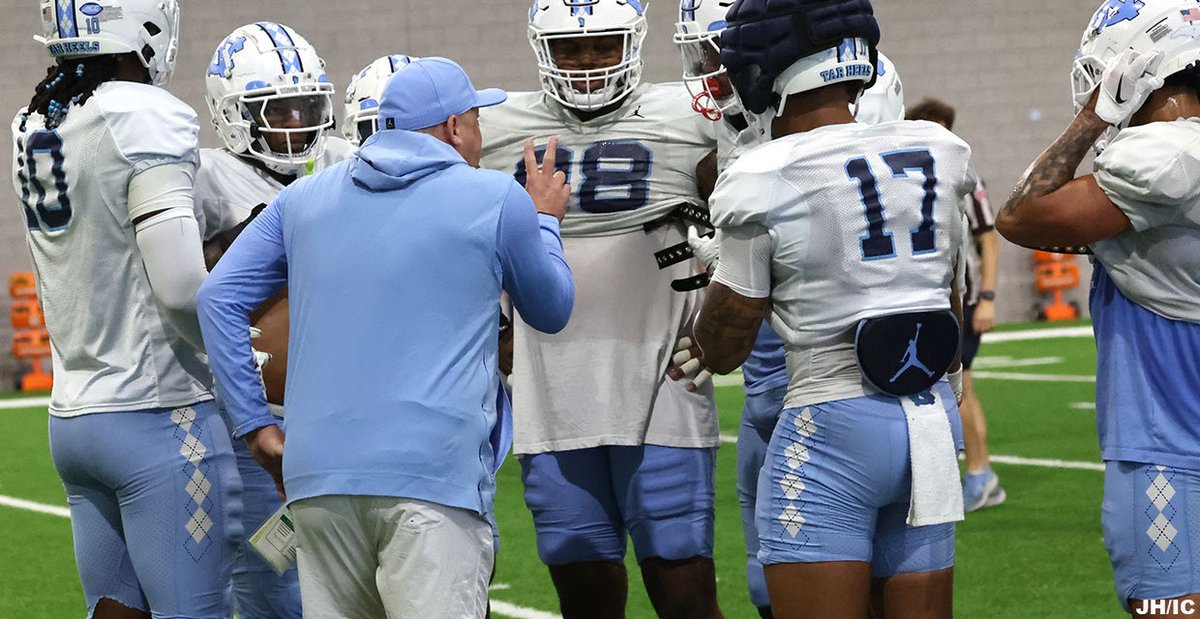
(112,348)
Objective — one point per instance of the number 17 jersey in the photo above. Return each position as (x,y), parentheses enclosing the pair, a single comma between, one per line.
(865,220)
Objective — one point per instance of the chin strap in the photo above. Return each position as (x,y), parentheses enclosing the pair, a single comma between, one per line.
(702,104)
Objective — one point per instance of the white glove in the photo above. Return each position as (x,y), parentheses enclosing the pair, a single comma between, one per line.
(261,359)
(956,383)
(1126,84)
(688,364)
(704,247)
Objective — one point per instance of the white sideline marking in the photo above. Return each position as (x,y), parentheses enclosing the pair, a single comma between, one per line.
(1049,463)
(1037,334)
(504,609)
(499,586)
(1083,406)
(1009,362)
(1017,460)
(30,506)
(1042,378)
(24,403)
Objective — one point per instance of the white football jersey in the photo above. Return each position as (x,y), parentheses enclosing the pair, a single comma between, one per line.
(1152,173)
(628,167)
(600,381)
(112,348)
(864,221)
(228,187)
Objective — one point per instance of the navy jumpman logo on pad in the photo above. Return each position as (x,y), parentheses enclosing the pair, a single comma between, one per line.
(910,357)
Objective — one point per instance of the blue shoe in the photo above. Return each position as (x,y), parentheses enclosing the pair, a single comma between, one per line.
(982,490)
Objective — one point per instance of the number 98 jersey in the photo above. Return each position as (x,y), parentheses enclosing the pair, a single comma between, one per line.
(630,166)
(865,220)
(112,349)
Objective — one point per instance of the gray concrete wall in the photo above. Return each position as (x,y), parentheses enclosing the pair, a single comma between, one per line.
(1005,66)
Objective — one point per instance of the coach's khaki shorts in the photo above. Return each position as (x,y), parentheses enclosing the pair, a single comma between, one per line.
(366,557)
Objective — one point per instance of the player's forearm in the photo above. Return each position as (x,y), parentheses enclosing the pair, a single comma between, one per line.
(536,275)
(1053,169)
(989,263)
(727,327)
(252,271)
(169,242)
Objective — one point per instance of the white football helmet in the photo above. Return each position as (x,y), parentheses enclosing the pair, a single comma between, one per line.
(848,61)
(884,101)
(1171,27)
(363,94)
(554,20)
(147,28)
(266,81)
(698,36)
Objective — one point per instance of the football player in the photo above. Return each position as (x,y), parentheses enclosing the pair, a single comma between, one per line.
(271,104)
(609,446)
(697,34)
(103,167)
(1137,98)
(363,93)
(839,508)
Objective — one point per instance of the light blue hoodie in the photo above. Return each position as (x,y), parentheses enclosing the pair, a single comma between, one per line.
(394,261)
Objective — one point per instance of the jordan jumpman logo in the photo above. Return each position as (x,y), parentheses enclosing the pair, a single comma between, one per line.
(910,357)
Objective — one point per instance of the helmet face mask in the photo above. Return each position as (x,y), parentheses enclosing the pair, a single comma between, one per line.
(1171,27)
(698,37)
(363,95)
(566,34)
(149,29)
(269,96)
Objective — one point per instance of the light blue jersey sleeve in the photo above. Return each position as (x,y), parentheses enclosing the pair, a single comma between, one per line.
(254,269)
(536,275)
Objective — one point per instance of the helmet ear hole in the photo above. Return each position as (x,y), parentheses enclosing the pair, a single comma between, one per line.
(147,54)
(151,28)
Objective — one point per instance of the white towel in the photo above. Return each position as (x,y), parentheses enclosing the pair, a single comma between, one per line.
(936,488)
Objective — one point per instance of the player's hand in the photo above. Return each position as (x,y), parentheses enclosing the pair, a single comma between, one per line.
(687,362)
(985,317)
(704,247)
(266,445)
(1126,84)
(547,187)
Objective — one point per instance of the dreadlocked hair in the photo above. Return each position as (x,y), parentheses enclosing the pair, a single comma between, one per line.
(71,81)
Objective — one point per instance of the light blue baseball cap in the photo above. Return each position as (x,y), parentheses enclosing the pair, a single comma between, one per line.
(428,91)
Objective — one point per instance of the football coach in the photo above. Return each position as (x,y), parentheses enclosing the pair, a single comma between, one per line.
(394,261)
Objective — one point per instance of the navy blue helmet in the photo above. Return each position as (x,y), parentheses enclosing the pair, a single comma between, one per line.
(764,38)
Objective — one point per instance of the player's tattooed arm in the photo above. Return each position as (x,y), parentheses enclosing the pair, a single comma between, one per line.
(1050,208)
(727,327)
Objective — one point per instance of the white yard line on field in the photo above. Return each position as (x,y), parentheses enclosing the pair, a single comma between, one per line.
(31,506)
(992,363)
(1040,378)
(1037,334)
(504,609)
(24,403)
